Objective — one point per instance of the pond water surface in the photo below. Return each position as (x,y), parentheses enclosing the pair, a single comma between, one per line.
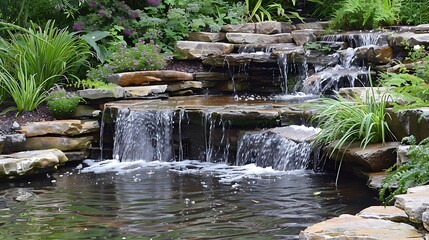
(184,200)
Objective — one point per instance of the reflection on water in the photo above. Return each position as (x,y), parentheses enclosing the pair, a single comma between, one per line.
(187,200)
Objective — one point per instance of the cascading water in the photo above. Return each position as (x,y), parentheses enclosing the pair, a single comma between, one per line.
(144,135)
(269,149)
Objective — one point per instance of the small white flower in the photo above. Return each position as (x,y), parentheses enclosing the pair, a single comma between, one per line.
(417,47)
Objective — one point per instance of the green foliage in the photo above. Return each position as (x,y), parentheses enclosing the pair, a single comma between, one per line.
(61,104)
(51,55)
(165,23)
(89,84)
(366,14)
(414,12)
(23,88)
(413,173)
(141,57)
(317,47)
(411,90)
(324,9)
(260,10)
(420,56)
(363,121)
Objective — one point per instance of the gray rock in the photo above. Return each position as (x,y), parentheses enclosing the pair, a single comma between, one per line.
(143,91)
(301,37)
(296,133)
(2,140)
(61,143)
(14,143)
(425,220)
(375,179)
(402,154)
(100,93)
(414,205)
(211,76)
(375,157)
(419,189)
(30,162)
(358,228)
(60,127)
(268,27)
(16,126)
(77,155)
(251,38)
(198,50)
(409,122)
(139,78)
(206,37)
(375,54)
(391,213)
(421,28)
(312,25)
(243,28)
(83,111)
(236,59)
(174,87)
(409,38)
(287,27)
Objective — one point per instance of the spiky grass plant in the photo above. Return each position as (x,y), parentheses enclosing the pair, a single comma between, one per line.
(51,55)
(413,173)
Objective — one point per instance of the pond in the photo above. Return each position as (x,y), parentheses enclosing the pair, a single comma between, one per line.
(180,200)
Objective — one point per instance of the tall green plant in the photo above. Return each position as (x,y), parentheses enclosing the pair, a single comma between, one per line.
(366,14)
(261,10)
(51,55)
(23,88)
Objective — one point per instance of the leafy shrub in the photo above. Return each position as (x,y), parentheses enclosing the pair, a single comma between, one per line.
(412,91)
(366,14)
(324,9)
(141,57)
(89,84)
(61,104)
(162,21)
(50,55)
(260,10)
(413,173)
(414,12)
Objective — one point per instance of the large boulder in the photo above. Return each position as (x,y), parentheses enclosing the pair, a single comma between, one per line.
(61,143)
(251,38)
(391,213)
(198,50)
(60,127)
(375,157)
(142,77)
(348,227)
(409,122)
(414,204)
(30,162)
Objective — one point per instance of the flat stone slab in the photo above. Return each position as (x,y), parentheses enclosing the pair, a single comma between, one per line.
(251,38)
(391,213)
(236,59)
(30,162)
(421,28)
(61,143)
(84,111)
(410,38)
(206,37)
(268,27)
(174,87)
(14,143)
(312,25)
(375,179)
(212,76)
(301,37)
(419,189)
(410,122)
(296,133)
(139,78)
(375,157)
(143,91)
(60,127)
(100,93)
(349,227)
(242,28)
(414,204)
(77,155)
(198,50)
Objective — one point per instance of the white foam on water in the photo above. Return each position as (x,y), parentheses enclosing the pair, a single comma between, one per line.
(227,174)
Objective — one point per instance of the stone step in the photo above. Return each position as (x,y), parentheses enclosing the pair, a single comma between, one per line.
(409,38)
(60,127)
(138,78)
(237,59)
(144,91)
(206,37)
(391,213)
(253,38)
(198,50)
(30,162)
(61,143)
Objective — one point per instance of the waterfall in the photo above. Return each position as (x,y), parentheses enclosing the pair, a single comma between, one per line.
(144,135)
(267,148)
(282,62)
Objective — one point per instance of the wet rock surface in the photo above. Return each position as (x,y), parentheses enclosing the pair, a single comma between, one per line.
(60,127)
(198,50)
(61,143)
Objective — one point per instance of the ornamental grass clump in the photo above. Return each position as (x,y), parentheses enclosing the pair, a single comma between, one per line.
(142,57)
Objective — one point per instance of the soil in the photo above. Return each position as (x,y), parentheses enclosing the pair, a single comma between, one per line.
(42,113)
(7,118)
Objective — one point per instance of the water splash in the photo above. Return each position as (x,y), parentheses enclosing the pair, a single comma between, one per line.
(144,135)
(267,149)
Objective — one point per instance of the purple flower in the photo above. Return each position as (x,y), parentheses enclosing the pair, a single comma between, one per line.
(101,12)
(92,4)
(134,14)
(127,32)
(78,26)
(153,3)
